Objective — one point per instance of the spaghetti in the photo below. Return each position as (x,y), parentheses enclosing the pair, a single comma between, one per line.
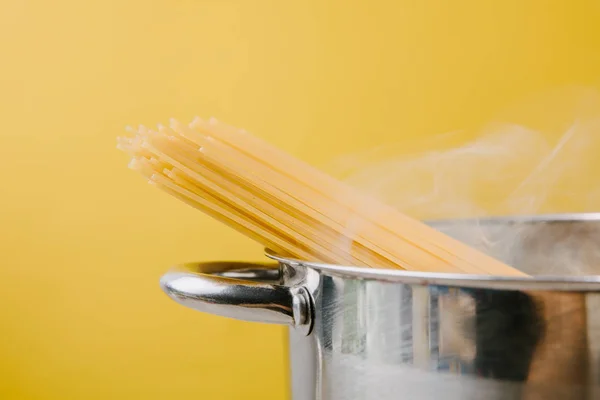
(289,206)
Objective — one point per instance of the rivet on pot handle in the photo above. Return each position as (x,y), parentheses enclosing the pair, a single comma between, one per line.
(240,290)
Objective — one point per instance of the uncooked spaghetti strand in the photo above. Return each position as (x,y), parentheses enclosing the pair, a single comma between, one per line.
(364,256)
(437,267)
(220,212)
(159,148)
(265,201)
(299,203)
(223,214)
(246,228)
(380,254)
(306,229)
(337,233)
(152,166)
(421,239)
(217,160)
(271,154)
(295,228)
(220,192)
(287,235)
(230,140)
(248,231)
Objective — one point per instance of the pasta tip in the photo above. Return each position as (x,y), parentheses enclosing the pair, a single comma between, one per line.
(196,121)
(134,164)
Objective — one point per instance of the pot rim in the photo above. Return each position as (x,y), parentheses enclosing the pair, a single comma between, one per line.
(538,282)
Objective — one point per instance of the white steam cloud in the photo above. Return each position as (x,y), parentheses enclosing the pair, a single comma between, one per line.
(548,164)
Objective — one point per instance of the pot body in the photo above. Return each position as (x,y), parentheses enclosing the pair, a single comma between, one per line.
(361,334)
(387,340)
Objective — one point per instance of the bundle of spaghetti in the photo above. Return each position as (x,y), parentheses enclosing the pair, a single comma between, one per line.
(289,206)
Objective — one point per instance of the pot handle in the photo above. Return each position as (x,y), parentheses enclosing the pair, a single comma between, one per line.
(249,292)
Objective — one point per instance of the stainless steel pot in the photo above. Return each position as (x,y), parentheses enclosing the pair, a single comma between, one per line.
(358,333)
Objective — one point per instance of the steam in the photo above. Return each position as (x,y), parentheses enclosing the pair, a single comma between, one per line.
(510,169)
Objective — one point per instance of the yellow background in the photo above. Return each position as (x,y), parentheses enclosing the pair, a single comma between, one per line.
(84,240)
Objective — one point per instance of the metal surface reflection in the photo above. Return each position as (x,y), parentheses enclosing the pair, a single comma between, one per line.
(386,339)
(365,334)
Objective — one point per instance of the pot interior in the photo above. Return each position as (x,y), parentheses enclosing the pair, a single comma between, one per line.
(562,245)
